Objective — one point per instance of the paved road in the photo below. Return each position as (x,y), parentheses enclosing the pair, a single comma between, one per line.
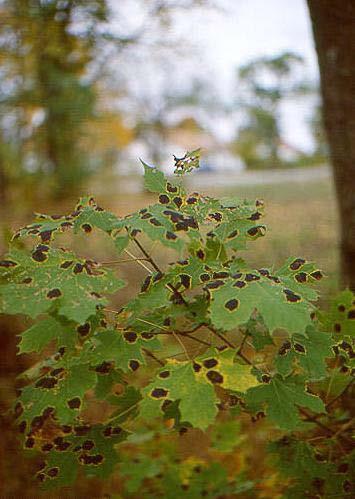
(248,177)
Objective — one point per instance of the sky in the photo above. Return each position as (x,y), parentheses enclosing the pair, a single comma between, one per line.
(223,39)
(247,29)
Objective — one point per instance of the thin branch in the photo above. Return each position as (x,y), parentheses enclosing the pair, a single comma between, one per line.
(146,254)
(198,340)
(154,325)
(152,356)
(182,344)
(180,333)
(123,260)
(241,346)
(138,261)
(329,404)
(221,336)
(310,419)
(173,288)
(157,268)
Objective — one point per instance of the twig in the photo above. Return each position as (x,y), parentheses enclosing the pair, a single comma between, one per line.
(243,343)
(157,268)
(310,419)
(221,337)
(153,324)
(329,404)
(182,344)
(138,261)
(123,260)
(173,288)
(154,357)
(146,254)
(168,331)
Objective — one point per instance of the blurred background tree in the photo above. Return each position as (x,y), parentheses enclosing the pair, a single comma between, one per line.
(57,123)
(48,92)
(264,85)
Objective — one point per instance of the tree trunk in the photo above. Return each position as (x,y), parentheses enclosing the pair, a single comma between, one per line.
(333,25)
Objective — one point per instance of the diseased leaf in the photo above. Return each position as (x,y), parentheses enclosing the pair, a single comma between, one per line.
(233,300)
(124,348)
(85,217)
(299,275)
(53,279)
(41,333)
(282,399)
(340,320)
(220,368)
(89,448)
(259,333)
(296,461)
(310,351)
(62,389)
(154,180)
(178,381)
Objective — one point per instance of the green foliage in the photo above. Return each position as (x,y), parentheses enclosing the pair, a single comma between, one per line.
(207,342)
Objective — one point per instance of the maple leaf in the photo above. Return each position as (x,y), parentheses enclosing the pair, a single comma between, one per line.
(220,368)
(282,399)
(234,299)
(85,217)
(309,350)
(300,276)
(340,319)
(191,383)
(122,347)
(296,460)
(62,389)
(53,279)
(91,448)
(178,381)
(154,179)
(37,337)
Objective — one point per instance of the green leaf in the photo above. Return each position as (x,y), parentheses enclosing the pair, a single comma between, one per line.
(92,215)
(340,320)
(259,333)
(234,299)
(155,222)
(144,467)
(121,242)
(154,179)
(122,347)
(282,399)
(155,294)
(63,391)
(310,351)
(233,376)
(126,405)
(178,381)
(296,461)
(299,275)
(40,334)
(86,215)
(189,162)
(53,279)
(226,435)
(191,383)
(89,448)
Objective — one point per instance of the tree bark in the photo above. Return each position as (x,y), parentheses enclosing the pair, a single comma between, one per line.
(333,23)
